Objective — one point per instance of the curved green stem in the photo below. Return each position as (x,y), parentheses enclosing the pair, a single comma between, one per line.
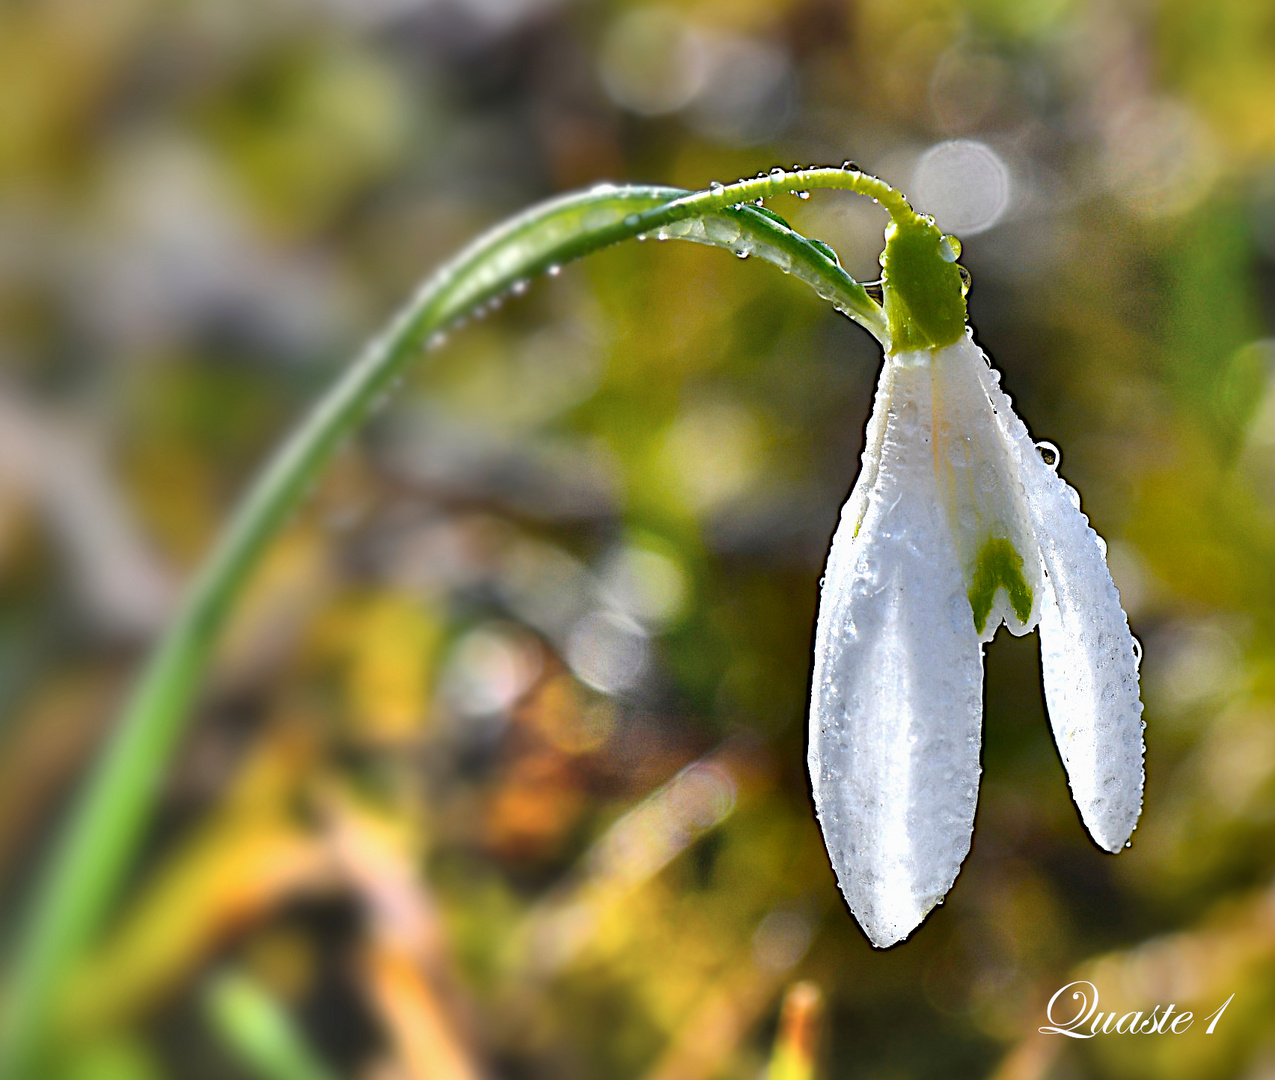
(108,819)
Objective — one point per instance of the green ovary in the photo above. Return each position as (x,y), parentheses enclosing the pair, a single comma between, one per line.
(999,567)
(923,290)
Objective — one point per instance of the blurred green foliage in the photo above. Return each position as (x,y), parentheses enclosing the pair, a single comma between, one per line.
(501,770)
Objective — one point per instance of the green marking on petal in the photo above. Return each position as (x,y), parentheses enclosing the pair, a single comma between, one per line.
(999,567)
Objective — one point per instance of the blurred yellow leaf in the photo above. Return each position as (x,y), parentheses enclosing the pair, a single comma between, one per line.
(245,860)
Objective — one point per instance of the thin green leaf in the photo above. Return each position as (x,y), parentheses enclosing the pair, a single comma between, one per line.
(108,819)
(259,1032)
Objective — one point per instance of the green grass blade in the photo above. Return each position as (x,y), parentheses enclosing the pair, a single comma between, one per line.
(259,1032)
(108,819)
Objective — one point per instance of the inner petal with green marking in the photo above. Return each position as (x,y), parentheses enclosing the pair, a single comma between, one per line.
(999,567)
(983,495)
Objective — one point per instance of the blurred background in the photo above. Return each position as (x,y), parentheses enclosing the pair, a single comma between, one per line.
(501,769)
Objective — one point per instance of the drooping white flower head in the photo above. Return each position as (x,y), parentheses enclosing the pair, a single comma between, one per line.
(955,525)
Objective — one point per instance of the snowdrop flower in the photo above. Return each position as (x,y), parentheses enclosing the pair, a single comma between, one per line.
(956,524)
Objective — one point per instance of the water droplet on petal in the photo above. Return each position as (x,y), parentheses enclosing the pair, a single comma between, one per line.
(850,166)
(1049,454)
(554,270)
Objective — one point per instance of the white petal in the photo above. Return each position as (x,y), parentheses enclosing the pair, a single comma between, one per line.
(1088,656)
(1090,667)
(979,479)
(896,709)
